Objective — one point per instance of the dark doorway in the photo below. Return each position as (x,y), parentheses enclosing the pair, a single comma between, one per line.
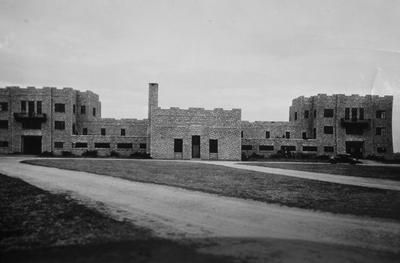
(31,144)
(355,148)
(196,146)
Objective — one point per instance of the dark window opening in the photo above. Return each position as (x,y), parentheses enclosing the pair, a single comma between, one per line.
(142,146)
(23,105)
(3,143)
(306,113)
(295,116)
(381,114)
(315,113)
(213,146)
(3,106)
(80,145)
(31,125)
(247,147)
(267,135)
(38,107)
(328,113)
(381,149)
(310,148)
(354,113)
(241,134)
(94,111)
(266,148)
(328,129)
(287,134)
(288,148)
(103,131)
(59,125)
(328,149)
(73,108)
(381,131)
(58,145)
(122,132)
(84,131)
(124,146)
(101,145)
(3,124)
(31,107)
(74,129)
(315,133)
(59,107)
(178,145)
(304,134)
(347,114)
(361,110)
(83,110)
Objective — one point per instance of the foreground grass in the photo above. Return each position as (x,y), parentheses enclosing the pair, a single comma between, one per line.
(290,191)
(36,226)
(381,172)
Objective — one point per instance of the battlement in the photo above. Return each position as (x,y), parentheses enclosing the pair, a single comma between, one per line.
(193,110)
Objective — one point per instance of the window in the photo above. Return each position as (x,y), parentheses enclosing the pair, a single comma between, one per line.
(315,133)
(80,145)
(103,131)
(310,148)
(124,145)
(3,124)
(247,147)
(178,145)
(74,130)
(304,134)
(381,149)
(381,131)
(84,131)
(315,113)
(361,111)
(94,111)
(328,129)
(347,114)
(328,113)
(213,146)
(287,135)
(23,105)
(266,148)
(328,149)
(241,134)
(38,107)
(59,125)
(31,125)
(381,114)
(288,148)
(73,109)
(295,116)
(101,145)
(3,106)
(59,107)
(142,146)
(306,113)
(83,110)
(122,132)
(267,135)
(58,145)
(3,143)
(354,113)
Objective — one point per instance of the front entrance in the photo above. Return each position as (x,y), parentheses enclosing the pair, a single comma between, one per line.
(32,144)
(355,148)
(195,146)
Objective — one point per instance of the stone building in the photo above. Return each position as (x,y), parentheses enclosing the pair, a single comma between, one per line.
(66,120)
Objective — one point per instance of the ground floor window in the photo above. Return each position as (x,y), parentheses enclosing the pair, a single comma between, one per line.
(59,125)
(266,147)
(3,124)
(213,146)
(124,145)
(142,146)
(178,145)
(310,148)
(102,145)
(328,149)
(3,143)
(247,147)
(288,148)
(80,145)
(58,145)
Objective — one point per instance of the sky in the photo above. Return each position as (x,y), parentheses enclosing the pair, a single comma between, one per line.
(248,54)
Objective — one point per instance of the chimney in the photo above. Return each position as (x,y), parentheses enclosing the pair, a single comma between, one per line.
(153,97)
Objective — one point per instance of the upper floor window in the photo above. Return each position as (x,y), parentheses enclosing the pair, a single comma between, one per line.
(94,111)
(3,124)
(84,131)
(304,135)
(122,132)
(83,109)
(241,134)
(381,114)
(315,133)
(213,146)
(39,107)
(361,113)
(59,125)
(59,107)
(306,113)
(73,109)
(315,113)
(267,135)
(295,116)
(354,113)
(103,131)
(328,129)
(74,129)
(23,105)
(328,113)
(381,131)
(287,135)
(347,114)
(3,106)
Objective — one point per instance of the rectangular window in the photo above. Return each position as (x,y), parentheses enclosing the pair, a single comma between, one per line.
(267,135)
(23,105)
(59,125)
(80,145)
(241,134)
(354,113)
(310,148)
(103,131)
(142,146)
(381,131)
(94,111)
(84,131)
(122,132)
(213,146)
(59,107)
(3,143)
(315,113)
(58,145)
(31,125)
(247,147)
(347,114)
(304,134)
(289,148)
(39,107)
(328,113)
(381,114)
(328,129)
(328,149)
(306,113)
(3,106)
(124,146)
(287,135)
(381,149)
(101,145)
(295,116)
(73,109)
(315,133)
(361,111)
(74,130)
(3,124)
(266,148)
(83,110)
(178,145)
(31,107)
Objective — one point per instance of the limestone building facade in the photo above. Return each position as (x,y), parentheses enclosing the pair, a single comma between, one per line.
(66,120)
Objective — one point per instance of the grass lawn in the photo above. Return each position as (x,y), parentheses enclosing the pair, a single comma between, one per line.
(37,226)
(290,191)
(381,172)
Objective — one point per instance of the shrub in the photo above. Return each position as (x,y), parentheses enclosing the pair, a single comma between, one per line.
(47,154)
(67,154)
(114,154)
(88,153)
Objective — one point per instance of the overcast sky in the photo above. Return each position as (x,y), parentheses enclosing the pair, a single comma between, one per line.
(253,55)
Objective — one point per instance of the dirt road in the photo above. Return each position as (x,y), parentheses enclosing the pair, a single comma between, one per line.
(178,213)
